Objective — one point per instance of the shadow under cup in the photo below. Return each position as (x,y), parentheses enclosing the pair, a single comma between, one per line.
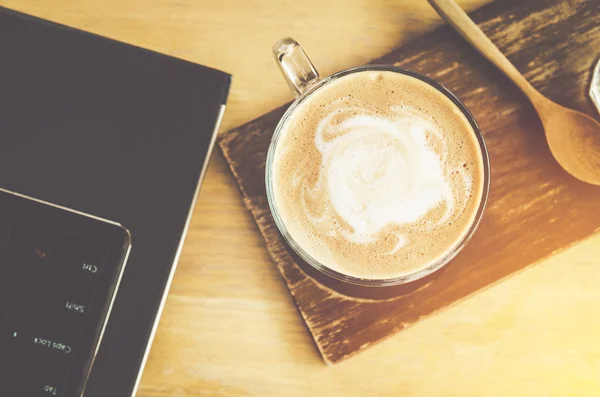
(319,83)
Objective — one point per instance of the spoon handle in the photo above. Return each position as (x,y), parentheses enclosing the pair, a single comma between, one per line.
(461,22)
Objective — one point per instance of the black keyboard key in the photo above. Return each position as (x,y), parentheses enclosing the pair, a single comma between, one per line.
(76,255)
(29,378)
(6,225)
(74,302)
(40,342)
(49,381)
(60,345)
(4,366)
(29,298)
(32,247)
(6,228)
(4,303)
(49,300)
(10,383)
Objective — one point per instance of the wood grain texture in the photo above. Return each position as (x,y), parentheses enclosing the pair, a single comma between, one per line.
(230,327)
(534,209)
(573,137)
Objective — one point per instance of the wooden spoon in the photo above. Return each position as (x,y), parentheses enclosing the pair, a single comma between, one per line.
(573,137)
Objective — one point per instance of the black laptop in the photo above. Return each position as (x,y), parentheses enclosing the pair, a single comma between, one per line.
(103,147)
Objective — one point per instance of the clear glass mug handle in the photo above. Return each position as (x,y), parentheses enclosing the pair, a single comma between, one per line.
(298,70)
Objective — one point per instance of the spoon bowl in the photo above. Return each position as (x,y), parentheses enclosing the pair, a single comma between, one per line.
(574,140)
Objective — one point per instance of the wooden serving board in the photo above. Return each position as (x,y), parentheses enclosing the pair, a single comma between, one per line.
(535,209)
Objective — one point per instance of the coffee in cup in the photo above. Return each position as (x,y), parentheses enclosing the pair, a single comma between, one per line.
(377,174)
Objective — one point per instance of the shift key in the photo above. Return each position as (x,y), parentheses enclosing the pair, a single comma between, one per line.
(77,255)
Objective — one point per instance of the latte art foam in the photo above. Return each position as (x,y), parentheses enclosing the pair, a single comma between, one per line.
(370,184)
(364,154)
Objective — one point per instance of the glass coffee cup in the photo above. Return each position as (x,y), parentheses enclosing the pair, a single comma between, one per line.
(306,84)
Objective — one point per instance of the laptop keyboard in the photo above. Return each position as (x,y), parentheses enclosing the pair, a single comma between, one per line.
(58,275)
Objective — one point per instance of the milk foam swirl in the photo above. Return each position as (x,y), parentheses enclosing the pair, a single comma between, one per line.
(379,172)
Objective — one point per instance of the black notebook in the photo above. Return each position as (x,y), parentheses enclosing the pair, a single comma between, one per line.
(118,132)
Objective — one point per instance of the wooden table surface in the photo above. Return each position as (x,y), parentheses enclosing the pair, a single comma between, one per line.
(229,327)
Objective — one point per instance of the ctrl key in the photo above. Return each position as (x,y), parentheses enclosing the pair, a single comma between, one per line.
(79,256)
